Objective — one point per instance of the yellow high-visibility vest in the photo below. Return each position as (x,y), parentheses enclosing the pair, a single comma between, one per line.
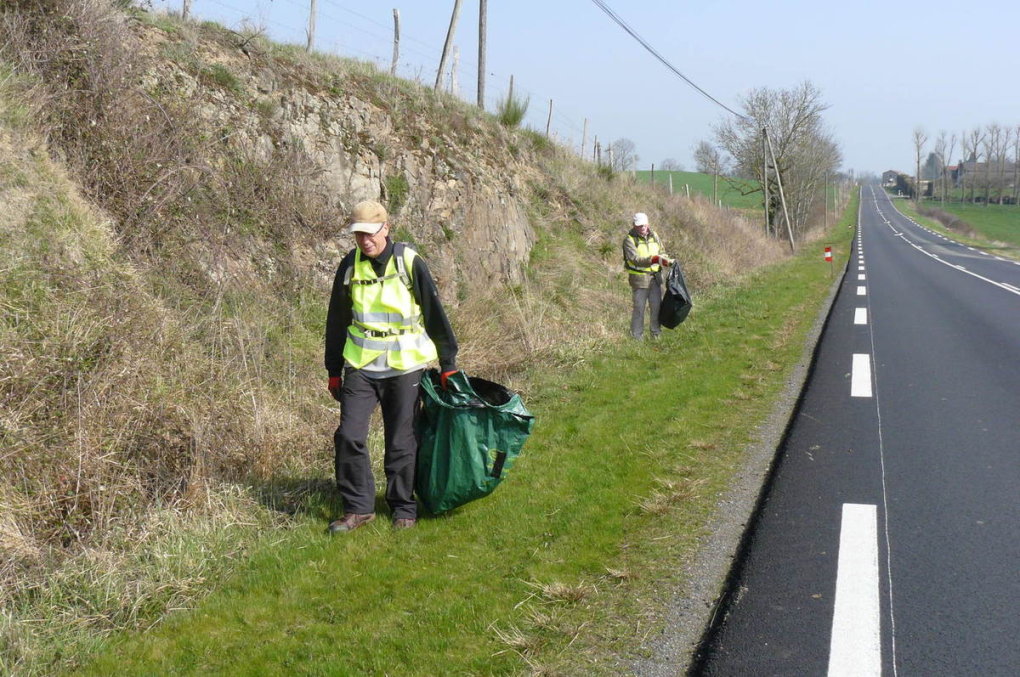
(387,318)
(645,248)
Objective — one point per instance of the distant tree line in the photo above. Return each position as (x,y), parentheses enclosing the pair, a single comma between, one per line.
(988,169)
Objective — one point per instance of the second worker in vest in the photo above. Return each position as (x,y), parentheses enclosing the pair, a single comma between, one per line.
(643,259)
(385,324)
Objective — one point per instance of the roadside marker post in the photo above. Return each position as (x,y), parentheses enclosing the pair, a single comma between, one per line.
(828,257)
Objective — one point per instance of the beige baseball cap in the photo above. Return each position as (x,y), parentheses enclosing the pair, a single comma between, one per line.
(368,217)
(641,219)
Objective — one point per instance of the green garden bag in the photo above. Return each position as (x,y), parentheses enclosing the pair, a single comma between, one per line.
(469,436)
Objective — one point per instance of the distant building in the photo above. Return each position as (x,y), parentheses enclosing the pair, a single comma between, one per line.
(889,178)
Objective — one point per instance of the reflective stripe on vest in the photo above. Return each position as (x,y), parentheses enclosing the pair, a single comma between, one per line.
(387,319)
(645,248)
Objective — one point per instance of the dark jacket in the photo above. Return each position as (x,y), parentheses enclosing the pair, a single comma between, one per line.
(340,313)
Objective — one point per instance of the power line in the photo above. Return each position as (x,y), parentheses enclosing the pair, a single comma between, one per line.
(623,24)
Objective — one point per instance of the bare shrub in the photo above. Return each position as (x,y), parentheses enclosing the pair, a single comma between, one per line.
(948,219)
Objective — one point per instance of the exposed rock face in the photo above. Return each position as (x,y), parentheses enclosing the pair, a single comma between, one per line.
(457,194)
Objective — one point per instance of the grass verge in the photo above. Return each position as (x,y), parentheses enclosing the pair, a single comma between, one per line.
(997,226)
(565,568)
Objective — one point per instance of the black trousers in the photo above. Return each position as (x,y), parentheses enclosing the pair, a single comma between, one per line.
(398,397)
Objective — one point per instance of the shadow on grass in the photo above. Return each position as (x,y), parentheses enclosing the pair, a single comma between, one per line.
(317,499)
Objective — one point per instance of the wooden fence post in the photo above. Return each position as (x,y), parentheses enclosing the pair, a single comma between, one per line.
(446,45)
(311,27)
(481,52)
(396,41)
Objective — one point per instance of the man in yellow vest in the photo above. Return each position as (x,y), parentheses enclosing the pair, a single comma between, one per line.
(643,259)
(385,324)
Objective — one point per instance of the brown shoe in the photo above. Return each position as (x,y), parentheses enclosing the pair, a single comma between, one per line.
(350,522)
(404,523)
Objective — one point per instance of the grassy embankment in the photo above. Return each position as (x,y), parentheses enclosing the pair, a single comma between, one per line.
(994,228)
(568,566)
(163,414)
(994,222)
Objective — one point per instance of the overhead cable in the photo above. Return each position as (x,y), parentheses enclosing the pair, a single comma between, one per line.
(623,24)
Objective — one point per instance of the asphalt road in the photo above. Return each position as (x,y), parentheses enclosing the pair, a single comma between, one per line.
(888,539)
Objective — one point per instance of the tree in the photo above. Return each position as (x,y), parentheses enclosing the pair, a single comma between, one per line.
(971,142)
(1016,165)
(920,138)
(804,150)
(709,160)
(622,152)
(944,148)
(671,165)
(992,139)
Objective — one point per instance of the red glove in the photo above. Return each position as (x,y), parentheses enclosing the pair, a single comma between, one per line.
(335,383)
(446,375)
(655,259)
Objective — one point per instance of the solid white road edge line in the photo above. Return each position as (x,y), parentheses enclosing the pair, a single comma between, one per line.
(856,645)
(860,376)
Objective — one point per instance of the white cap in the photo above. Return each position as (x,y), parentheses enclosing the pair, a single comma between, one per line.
(641,219)
(368,217)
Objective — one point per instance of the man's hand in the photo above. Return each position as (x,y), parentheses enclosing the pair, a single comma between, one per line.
(445,376)
(335,384)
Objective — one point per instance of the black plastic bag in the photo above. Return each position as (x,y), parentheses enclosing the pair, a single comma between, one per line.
(677,302)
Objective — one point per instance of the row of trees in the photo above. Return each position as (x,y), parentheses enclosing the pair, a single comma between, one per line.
(989,170)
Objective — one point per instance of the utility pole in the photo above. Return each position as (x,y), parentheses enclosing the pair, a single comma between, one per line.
(481,56)
(782,197)
(765,181)
(584,137)
(446,45)
(186,9)
(825,197)
(396,41)
(311,27)
(454,85)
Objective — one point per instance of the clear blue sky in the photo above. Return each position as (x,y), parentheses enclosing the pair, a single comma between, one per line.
(884,68)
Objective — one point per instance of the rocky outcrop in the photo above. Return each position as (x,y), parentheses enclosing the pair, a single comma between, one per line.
(456,191)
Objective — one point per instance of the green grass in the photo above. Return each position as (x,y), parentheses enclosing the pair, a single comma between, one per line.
(731,191)
(613,490)
(996,222)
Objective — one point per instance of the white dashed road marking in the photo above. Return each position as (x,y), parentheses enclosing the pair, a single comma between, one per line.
(856,645)
(860,316)
(860,376)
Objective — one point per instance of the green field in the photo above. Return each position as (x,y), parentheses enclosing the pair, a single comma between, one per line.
(996,222)
(736,193)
